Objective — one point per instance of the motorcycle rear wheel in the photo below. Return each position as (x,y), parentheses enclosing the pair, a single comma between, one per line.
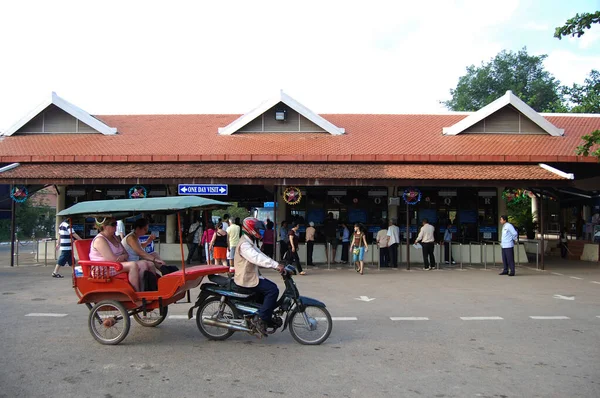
(210,309)
(318,329)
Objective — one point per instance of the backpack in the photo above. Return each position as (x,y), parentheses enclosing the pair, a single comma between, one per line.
(190,236)
(149,282)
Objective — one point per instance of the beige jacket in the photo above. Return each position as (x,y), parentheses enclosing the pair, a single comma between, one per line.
(247,260)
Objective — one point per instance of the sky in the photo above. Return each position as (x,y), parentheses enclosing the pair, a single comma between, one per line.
(181,57)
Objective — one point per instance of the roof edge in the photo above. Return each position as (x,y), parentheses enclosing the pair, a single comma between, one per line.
(507,99)
(66,106)
(246,118)
(568,176)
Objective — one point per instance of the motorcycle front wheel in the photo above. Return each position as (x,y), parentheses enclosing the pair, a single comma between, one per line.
(311,327)
(210,309)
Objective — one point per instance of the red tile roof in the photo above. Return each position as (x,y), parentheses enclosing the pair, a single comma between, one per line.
(255,172)
(368,138)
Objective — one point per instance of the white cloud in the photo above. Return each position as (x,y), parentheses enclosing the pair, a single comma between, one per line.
(571,68)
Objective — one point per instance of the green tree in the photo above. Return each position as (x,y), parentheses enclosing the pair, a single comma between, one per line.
(233,211)
(585,98)
(519,72)
(36,221)
(577,25)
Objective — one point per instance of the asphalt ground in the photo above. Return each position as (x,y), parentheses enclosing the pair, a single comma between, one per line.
(455,333)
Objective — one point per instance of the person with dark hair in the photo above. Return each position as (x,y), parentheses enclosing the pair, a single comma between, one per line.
(345,242)
(218,245)
(330,230)
(448,244)
(268,239)
(359,247)
(564,242)
(393,234)
(382,243)
(427,239)
(293,248)
(196,230)
(66,249)
(233,237)
(310,242)
(283,240)
(206,239)
(137,250)
(509,236)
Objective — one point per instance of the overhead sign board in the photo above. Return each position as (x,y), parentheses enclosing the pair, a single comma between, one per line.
(203,189)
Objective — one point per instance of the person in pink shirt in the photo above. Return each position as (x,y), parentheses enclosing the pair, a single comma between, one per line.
(206,239)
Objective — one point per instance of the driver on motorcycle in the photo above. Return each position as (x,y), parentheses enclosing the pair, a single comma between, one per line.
(247,259)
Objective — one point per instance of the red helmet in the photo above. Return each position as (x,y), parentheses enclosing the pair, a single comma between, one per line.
(252,227)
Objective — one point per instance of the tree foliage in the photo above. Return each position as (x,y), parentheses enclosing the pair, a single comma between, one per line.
(519,72)
(30,221)
(577,25)
(585,98)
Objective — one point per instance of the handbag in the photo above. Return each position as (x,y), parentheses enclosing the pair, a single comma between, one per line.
(356,251)
(190,237)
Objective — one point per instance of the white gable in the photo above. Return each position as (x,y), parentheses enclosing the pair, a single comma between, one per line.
(69,108)
(287,100)
(507,99)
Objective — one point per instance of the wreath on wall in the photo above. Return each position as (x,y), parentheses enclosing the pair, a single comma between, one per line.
(514,196)
(19,193)
(137,192)
(292,196)
(411,196)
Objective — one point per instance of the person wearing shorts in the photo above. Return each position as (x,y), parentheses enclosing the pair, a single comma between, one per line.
(359,247)
(66,249)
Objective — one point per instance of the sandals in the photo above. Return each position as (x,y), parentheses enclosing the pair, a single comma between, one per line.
(55,275)
(302,273)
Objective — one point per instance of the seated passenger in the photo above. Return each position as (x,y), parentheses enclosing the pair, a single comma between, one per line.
(135,249)
(107,247)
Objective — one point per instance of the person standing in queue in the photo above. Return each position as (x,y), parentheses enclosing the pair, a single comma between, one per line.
(345,243)
(509,236)
(247,260)
(448,245)
(330,229)
(293,247)
(207,237)
(268,239)
(427,239)
(218,245)
(310,242)
(382,243)
(393,233)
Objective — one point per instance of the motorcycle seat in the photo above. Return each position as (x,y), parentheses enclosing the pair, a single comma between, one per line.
(220,280)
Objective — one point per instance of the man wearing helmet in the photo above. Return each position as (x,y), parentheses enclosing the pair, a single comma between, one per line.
(247,259)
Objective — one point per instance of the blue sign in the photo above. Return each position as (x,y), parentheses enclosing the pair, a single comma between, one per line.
(268,204)
(150,247)
(488,229)
(202,189)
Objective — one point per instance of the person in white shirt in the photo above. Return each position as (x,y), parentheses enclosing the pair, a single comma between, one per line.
(393,233)
(382,243)
(509,236)
(120,229)
(427,239)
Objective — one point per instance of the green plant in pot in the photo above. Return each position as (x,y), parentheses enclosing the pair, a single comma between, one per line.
(518,205)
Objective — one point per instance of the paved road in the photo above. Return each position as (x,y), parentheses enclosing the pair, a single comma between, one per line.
(454,334)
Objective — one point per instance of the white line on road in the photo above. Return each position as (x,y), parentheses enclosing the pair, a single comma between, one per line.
(556,273)
(575,277)
(339,318)
(550,317)
(481,318)
(178,317)
(597,283)
(409,318)
(46,314)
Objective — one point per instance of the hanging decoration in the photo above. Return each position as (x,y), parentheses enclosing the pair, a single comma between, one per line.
(292,195)
(514,196)
(137,192)
(411,196)
(19,194)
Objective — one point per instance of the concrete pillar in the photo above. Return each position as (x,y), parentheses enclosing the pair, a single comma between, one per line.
(534,208)
(171,228)
(281,206)
(60,205)
(392,209)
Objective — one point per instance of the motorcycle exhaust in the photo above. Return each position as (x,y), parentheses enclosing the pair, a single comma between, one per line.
(214,322)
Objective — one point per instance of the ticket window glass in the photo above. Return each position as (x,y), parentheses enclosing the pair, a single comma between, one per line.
(488,215)
(466,220)
(447,209)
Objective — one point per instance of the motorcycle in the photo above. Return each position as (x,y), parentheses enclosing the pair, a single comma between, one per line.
(225,308)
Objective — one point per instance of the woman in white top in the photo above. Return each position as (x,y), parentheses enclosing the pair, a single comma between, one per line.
(382,243)
(135,249)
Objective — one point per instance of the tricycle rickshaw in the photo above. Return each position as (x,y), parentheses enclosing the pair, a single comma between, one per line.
(112,299)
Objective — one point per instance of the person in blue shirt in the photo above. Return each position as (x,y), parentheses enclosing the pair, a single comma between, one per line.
(448,245)
(509,236)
